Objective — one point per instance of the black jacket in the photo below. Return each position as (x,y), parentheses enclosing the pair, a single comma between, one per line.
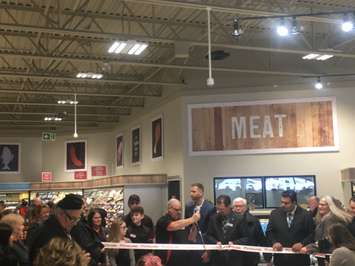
(301,231)
(252,235)
(89,241)
(47,231)
(224,229)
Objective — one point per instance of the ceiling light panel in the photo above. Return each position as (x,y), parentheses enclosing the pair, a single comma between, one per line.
(130,47)
(319,57)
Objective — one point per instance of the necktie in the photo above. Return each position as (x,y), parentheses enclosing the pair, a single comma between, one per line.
(289,219)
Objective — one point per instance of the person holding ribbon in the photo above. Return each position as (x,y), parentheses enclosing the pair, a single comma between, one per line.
(224,229)
(290,226)
(171,229)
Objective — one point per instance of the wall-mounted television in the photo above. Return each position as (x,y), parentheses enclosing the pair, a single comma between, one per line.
(265,191)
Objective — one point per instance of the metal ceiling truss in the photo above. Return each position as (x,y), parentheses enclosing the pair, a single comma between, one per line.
(42,56)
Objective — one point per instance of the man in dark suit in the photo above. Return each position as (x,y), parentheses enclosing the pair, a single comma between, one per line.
(198,230)
(290,226)
(223,229)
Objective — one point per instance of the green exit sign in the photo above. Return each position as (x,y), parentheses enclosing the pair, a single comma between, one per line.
(48,136)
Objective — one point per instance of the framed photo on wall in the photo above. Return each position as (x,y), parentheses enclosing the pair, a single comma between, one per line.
(75,155)
(9,158)
(157,138)
(136,145)
(119,151)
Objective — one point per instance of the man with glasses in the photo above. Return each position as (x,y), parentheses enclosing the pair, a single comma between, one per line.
(171,229)
(66,215)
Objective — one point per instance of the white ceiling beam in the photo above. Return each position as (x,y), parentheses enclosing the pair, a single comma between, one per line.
(93,81)
(143,64)
(52,92)
(228,9)
(115,36)
(69,114)
(61,105)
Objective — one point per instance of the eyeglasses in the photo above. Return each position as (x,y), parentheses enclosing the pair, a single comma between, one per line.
(72,219)
(177,210)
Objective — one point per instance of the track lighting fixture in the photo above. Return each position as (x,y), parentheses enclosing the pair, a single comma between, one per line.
(348,23)
(318,85)
(237,30)
(282,29)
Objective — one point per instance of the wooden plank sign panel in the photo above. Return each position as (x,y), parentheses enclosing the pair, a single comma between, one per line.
(298,125)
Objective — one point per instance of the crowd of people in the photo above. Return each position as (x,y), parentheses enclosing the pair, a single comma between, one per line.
(71,234)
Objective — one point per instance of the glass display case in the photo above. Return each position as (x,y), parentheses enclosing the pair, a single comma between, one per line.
(53,195)
(109,199)
(13,199)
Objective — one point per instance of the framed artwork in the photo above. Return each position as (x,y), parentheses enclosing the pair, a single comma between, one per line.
(75,155)
(9,158)
(157,138)
(136,145)
(119,151)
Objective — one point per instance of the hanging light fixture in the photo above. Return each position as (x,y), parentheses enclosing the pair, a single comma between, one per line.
(75,135)
(318,85)
(237,30)
(295,29)
(282,30)
(348,23)
(210,80)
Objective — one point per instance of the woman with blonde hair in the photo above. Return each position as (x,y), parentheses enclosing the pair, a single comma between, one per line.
(123,257)
(61,252)
(329,212)
(16,222)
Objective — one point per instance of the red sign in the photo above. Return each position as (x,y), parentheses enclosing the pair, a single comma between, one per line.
(47,176)
(80,175)
(99,170)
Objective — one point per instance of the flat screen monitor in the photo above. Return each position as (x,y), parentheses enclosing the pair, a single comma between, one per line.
(275,185)
(265,191)
(250,188)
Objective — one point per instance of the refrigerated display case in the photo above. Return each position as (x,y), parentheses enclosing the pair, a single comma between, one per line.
(53,195)
(13,199)
(109,199)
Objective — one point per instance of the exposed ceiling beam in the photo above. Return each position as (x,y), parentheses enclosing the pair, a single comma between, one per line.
(37,92)
(74,87)
(51,113)
(41,76)
(143,64)
(227,9)
(54,124)
(179,4)
(115,36)
(60,105)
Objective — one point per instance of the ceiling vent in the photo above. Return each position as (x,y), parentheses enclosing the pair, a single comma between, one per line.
(218,55)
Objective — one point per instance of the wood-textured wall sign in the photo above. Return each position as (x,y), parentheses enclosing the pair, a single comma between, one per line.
(275,126)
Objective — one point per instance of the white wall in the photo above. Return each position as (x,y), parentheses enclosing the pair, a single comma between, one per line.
(326,166)
(173,142)
(30,159)
(100,149)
